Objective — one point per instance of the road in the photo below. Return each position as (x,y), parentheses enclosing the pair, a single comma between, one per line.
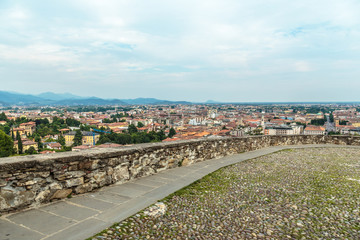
(330,126)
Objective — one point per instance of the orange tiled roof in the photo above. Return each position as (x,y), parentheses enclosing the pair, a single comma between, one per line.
(314,128)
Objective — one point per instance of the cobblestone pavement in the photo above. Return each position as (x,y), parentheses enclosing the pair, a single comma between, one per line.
(292,194)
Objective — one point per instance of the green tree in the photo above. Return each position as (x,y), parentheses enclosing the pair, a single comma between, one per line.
(6,145)
(140,125)
(37,139)
(67,148)
(161,135)
(3,117)
(78,138)
(172,132)
(343,122)
(61,140)
(317,122)
(20,145)
(72,122)
(132,129)
(106,120)
(31,150)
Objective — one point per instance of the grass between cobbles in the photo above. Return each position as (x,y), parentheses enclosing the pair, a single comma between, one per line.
(291,194)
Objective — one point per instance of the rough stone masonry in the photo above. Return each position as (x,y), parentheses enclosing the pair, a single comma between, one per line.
(31,180)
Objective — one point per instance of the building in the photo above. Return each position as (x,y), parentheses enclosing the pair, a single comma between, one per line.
(355,131)
(278,130)
(314,130)
(25,129)
(29,127)
(26,145)
(237,133)
(89,138)
(53,145)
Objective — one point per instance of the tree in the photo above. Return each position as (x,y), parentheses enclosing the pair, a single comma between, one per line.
(317,122)
(140,125)
(106,120)
(86,127)
(61,140)
(20,145)
(78,138)
(5,128)
(172,132)
(72,122)
(38,140)
(132,129)
(31,150)
(343,122)
(161,135)
(3,117)
(6,145)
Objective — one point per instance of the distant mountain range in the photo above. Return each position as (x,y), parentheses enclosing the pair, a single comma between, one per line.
(68,99)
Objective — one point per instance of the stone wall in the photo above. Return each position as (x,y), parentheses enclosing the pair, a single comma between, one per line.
(32,180)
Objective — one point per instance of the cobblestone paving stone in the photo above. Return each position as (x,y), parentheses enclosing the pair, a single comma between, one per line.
(291,194)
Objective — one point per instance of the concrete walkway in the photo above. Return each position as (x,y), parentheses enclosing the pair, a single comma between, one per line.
(84,215)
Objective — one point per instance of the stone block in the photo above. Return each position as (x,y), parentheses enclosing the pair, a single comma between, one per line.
(74,182)
(55,186)
(42,174)
(3,183)
(87,187)
(14,198)
(89,165)
(74,174)
(120,173)
(62,193)
(42,196)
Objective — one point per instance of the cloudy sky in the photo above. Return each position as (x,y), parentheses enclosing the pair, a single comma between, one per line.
(224,50)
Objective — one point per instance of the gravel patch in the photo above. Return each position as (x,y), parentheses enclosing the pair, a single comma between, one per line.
(292,194)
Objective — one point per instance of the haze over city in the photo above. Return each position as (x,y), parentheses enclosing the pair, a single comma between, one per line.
(229,51)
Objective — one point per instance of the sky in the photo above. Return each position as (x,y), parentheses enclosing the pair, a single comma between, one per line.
(223,50)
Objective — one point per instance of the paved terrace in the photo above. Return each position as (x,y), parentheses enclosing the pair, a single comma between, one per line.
(84,215)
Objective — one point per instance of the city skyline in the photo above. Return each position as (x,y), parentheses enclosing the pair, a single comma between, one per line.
(226,51)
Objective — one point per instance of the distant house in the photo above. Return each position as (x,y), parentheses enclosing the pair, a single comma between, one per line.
(278,130)
(25,129)
(314,130)
(47,152)
(28,127)
(64,130)
(355,131)
(237,132)
(89,138)
(26,145)
(53,145)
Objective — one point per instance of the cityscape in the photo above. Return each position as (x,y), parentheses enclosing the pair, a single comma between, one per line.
(48,129)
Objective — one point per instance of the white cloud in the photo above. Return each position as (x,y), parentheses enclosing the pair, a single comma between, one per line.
(302,66)
(40,53)
(194,41)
